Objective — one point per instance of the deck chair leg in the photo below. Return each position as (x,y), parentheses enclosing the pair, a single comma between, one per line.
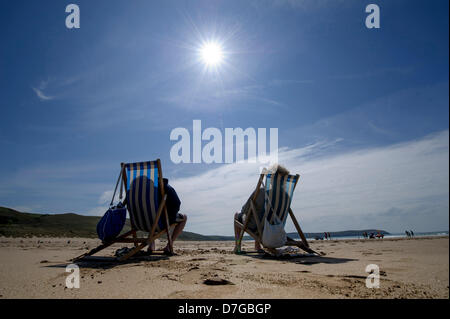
(257,221)
(102,246)
(169,238)
(150,237)
(297,226)
(92,251)
(252,212)
(253,235)
(135,237)
(301,245)
(133,251)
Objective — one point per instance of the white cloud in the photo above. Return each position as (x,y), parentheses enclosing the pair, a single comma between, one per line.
(59,87)
(41,95)
(303,4)
(97,211)
(205,98)
(397,187)
(105,197)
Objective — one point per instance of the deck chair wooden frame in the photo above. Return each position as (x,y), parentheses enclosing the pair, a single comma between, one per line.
(131,236)
(302,244)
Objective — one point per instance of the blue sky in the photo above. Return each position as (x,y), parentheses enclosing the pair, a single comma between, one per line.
(362,113)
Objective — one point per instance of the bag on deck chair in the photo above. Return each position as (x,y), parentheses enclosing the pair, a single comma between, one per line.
(111,224)
(274,235)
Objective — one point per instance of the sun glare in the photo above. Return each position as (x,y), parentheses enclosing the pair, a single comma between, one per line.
(211,54)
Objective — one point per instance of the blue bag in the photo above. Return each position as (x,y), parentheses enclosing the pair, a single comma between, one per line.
(111,224)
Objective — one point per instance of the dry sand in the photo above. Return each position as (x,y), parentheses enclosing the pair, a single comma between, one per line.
(410,268)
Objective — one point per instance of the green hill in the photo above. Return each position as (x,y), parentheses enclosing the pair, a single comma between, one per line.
(18,224)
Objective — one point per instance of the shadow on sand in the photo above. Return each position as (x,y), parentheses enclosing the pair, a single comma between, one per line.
(302,259)
(100,262)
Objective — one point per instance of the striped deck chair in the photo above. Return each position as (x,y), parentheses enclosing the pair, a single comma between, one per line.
(144,188)
(279,190)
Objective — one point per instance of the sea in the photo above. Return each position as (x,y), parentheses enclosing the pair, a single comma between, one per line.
(394,235)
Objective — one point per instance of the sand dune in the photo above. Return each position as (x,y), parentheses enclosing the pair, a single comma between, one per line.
(409,268)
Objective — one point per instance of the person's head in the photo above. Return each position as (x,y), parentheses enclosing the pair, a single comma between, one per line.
(279,169)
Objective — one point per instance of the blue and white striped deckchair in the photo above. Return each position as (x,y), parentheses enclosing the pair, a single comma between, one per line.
(142,186)
(278,196)
(279,190)
(146,201)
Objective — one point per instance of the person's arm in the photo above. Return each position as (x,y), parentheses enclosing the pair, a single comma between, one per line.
(246,206)
(260,203)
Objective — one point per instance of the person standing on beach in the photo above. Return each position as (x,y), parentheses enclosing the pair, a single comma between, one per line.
(412,233)
(326,237)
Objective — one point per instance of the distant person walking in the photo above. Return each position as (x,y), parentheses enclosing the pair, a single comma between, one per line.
(407,234)
(412,233)
(329,236)
(326,236)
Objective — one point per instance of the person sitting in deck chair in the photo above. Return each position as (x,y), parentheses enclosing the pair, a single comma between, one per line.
(173,204)
(259,205)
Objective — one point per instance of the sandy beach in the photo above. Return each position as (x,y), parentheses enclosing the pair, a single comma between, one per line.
(409,268)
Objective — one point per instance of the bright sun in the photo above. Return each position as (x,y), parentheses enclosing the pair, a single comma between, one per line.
(211,54)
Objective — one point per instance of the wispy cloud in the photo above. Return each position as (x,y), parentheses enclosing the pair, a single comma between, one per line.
(208,99)
(58,87)
(105,197)
(303,4)
(374,73)
(280,82)
(395,187)
(41,95)
(212,100)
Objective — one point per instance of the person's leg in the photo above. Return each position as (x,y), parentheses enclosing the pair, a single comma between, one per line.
(237,232)
(237,228)
(177,230)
